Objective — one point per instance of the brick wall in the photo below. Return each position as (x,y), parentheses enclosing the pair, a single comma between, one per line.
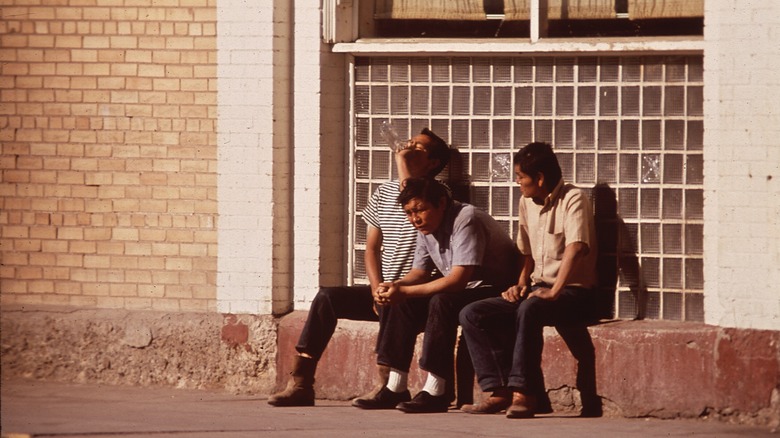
(108,132)
(742,164)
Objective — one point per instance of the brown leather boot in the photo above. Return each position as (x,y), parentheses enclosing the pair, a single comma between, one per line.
(300,388)
(382,374)
(499,400)
(523,406)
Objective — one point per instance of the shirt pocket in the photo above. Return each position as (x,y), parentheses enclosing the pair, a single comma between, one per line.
(555,238)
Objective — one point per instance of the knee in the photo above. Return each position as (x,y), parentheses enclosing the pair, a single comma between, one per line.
(440,303)
(468,316)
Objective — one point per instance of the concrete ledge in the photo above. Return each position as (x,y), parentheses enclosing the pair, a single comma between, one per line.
(644,368)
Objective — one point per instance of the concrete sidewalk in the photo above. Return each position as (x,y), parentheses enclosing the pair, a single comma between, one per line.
(48,409)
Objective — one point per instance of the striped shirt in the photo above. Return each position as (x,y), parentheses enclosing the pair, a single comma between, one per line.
(398,235)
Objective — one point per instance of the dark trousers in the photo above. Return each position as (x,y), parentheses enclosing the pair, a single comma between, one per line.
(437,317)
(505,340)
(330,305)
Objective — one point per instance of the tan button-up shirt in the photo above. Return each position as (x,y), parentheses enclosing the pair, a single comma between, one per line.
(545,230)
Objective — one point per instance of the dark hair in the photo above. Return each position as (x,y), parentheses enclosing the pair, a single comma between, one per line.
(438,151)
(427,189)
(536,158)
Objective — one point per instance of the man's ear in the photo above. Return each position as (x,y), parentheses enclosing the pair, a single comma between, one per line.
(540,180)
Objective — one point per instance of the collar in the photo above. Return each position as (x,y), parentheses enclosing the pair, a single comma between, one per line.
(552,197)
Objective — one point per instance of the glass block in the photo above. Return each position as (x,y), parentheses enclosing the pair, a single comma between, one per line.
(587,69)
(461,100)
(695,69)
(674,135)
(586,169)
(608,101)
(480,197)
(586,101)
(379,69)
(360,232)
(607,135)
(502,70)
(502,170)
(523,133)
(460,132)
(442,128)
(607,169)
(673,169)
(543,101)
(610,69)
(673,306)
(399,69)
(652,305)
(440,100)
(420,71)
(461,70)
(362,163)
(361,69)
(362,98)
(481,69)
(627,203)
(362,193)
(675,69)
(564,101)
(460,168)
(419,104)
(564,134)
(360,268)
(651,101)
(480,134)
(516,195)
(524,101)
(629,134)
(674,101)
(524,70)
(440,70)
(482,100)
(566,161)
(650,203)
(650,238)
(416,125)
(629,168)
(362,131)
(695,101)
(654,69)
(694,239)
(694,169)
(673,238)
(631,69)
(379,99)
(672,204)
(651,168)
(380,164)
(502,134)
(630,101)
(377,140)
(651,135)
(694,307)
(399,100)
(626,305)
(502,101)
(695,138)
(628,245)
(501,199)
(544,70)
(564,70)
(694,274)
(402,127)
(505,225)
(586,134)
(651,271)
(543,130)
(480,167)
(694,204)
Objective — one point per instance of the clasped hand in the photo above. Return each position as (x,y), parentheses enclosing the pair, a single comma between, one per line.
(387,293)
(516,293)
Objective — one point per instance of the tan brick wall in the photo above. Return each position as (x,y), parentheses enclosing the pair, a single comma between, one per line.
(108,133)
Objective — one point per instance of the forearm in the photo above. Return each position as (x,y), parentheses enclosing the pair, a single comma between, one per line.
(456,281)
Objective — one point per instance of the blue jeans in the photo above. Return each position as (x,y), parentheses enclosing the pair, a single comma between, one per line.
(437,316)
(505,339)
(330,305)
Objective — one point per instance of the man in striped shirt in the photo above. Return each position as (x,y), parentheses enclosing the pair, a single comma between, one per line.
(390,245)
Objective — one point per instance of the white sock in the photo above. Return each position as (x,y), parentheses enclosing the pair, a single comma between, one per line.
(434,385)
(397,381)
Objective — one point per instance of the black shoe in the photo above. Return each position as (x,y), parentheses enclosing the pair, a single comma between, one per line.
(425,403)
(385,399)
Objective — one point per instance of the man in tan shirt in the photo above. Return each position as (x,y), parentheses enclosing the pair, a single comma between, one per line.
(557,240)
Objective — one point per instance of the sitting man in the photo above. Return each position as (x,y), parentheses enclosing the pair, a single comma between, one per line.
(390,244)
(476,259)
(556,238)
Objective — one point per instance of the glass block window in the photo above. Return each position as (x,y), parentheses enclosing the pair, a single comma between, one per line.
(627,129)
